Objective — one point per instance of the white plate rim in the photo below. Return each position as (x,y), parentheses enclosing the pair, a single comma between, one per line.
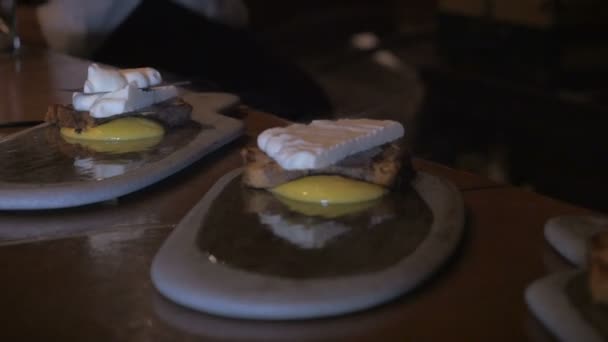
(185,275)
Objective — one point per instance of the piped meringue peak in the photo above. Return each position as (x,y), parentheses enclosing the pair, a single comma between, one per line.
(109,92)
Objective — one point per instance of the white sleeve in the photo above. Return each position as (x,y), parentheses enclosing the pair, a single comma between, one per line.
(77,27)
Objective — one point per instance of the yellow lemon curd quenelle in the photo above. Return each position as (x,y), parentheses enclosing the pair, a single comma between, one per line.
(329,189)
(130,128)
(131,134)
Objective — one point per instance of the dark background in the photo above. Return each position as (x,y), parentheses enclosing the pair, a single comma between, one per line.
(511,99)
(515,90)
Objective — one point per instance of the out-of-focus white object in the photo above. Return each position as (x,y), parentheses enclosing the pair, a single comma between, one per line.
(387,59)
(569,235)
(365,41)
(550,301)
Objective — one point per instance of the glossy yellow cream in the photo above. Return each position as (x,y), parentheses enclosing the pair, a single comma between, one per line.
(124,129)
(329,190)
(326,211)
(117,146)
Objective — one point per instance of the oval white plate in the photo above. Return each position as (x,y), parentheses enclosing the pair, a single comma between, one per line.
(218,130)
(184,274)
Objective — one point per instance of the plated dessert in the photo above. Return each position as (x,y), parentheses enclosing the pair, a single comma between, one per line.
(130,108)
(328,190)
(342,161)
(324,179)
(124,130)
(323,219)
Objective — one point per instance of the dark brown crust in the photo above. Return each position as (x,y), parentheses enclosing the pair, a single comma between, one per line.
(171,113)
(390,167)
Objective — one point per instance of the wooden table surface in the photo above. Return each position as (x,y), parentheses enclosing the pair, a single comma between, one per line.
(83,273)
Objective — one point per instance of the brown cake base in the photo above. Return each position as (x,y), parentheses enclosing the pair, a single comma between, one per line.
(388,165)
(171,113)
